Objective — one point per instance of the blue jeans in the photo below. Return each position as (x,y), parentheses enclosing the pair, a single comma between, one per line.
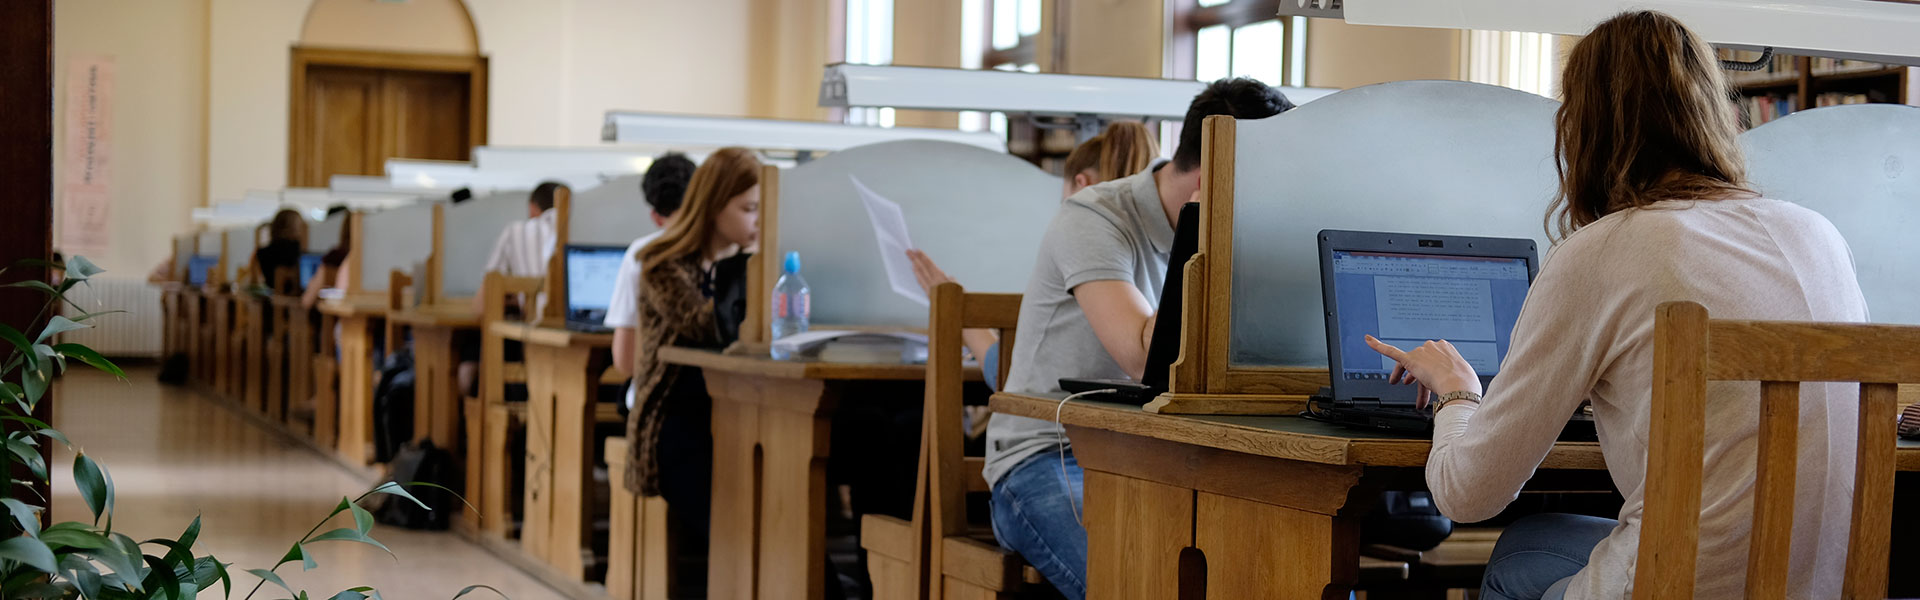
(1537,556)
(1035,510)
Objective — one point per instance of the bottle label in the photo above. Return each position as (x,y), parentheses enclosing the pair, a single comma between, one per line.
(806,306)
(779,305)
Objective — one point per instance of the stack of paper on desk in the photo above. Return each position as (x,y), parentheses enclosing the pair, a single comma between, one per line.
(855,347)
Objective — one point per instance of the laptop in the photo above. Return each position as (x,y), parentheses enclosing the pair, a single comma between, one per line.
(1164,348)
(1406,289)
(590,272)
(309,266)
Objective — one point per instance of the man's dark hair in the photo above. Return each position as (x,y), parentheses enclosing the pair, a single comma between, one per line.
(665,183)
(543,195)
(336,209)
(1240,98)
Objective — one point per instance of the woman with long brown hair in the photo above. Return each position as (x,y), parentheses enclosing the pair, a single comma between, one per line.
(1122,149)
(1654,207)
(286,241)
(670,426)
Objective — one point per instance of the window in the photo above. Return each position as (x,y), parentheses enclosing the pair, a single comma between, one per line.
(869,37)
(1522,61)
(1212,39)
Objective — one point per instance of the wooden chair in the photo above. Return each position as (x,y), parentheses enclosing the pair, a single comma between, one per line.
(489,428)
(639,550)
(1690,350)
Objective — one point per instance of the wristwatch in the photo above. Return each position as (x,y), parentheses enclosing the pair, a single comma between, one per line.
(1452,397)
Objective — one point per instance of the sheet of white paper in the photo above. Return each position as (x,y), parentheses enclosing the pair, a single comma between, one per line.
(890,230)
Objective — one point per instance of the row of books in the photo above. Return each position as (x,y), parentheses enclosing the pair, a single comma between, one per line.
(1839,98)
(1833,65)
(1759,110)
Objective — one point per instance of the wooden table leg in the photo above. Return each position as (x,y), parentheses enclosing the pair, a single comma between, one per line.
(278,365)
(781,429)
(222,329)
(256,354)
(436,392)
(576,390)
(1164,519)
(733,558)
(356,390)
(536,518)
(496,519)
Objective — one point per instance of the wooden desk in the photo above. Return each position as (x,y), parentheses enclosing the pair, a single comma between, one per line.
(436,391)
(252,352)
(1273,503)
(563,379)
(356,319)
(220,326)
(784,410)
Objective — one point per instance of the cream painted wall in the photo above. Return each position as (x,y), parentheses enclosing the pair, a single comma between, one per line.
(247,58)
(438,26)
(1124,38)
(1346,56)
(159,118)
(789,42)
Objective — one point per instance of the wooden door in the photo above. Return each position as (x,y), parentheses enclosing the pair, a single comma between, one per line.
(354,110)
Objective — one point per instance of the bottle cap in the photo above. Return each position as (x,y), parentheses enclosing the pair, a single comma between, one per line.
(793,262)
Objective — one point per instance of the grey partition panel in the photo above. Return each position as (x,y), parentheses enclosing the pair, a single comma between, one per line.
(210,243)
(613,214)
(398,238)
(322,236)
(1859,166)
(240,245)
(979,213)
(1435,157)
(472,228)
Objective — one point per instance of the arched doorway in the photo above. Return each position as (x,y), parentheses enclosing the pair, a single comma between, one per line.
(377,80)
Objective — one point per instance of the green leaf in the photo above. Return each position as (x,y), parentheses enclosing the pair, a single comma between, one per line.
(81,269)
(349,535)
(470,589)
(357,593)
(29,551)
(89,581)
(85,316)
(74,535)
(27,516)
(93,359)
(298,552)
(36,380)
(24,448)
(162,576)
(40,286)
(208,570)
(19,341)
(306,559)
(58,325)
(362,519)
(122,554)
(94,484)
(270,577)
(37,590)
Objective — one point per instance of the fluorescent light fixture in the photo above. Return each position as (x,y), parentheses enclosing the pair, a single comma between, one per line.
(608,160)
(434,176)
(694,132)
(930,88)
(1871,30)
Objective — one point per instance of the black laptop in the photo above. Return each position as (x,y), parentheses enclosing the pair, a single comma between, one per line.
(591,272)
(1406,289)
(1165,345)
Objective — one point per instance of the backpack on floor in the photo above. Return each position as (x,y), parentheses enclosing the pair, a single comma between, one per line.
(422,462)
(393,406)
(173,370)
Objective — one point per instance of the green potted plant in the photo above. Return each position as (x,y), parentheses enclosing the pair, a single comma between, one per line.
(91,560)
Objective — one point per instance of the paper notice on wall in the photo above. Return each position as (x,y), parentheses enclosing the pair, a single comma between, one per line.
(87,180)
(890,230)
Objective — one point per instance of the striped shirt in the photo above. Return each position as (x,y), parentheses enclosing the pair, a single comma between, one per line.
(524,247)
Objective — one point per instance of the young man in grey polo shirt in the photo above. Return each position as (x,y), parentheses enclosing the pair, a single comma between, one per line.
(1088,312)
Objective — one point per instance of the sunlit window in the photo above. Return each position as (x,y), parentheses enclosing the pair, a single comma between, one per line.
(870,42)
(1522,61)
(1238,38)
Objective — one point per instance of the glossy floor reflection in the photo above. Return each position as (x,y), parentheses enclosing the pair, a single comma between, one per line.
(173,454)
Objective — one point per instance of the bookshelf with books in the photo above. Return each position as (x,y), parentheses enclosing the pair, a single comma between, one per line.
(1796,83)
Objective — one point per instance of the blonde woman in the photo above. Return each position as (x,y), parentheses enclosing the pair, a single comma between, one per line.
(1654,206)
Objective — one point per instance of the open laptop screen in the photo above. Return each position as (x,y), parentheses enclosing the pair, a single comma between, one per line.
(309,266)
(1407,299)
(591,271)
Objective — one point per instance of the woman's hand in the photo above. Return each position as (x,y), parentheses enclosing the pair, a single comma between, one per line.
(929,274)
(1434,366)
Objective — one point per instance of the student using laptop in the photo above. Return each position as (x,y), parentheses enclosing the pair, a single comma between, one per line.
(670,427)
(1088,313)
(524,247)
(285,236)
(663,187)
(1124,148)
(1654,206)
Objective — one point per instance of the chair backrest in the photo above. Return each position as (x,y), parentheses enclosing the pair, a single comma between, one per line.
(953,310)
(495,290)
(1690,350)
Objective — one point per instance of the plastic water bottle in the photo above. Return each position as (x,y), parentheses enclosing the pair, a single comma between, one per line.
(791,303)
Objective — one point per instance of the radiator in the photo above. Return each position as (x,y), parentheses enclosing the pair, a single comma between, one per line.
(134,333)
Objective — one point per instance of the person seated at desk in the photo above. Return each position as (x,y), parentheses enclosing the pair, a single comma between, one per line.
(664,186)
(1088,312)
(285,235)
(1124,148)
(523,249)
(333,265)
(1654,206)
(669,431)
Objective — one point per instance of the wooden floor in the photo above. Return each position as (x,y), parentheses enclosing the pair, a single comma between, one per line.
(173,454)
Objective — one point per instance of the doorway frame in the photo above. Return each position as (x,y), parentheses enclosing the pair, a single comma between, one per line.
(305,57)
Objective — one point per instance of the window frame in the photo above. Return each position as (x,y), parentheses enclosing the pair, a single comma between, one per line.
(1185,19)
